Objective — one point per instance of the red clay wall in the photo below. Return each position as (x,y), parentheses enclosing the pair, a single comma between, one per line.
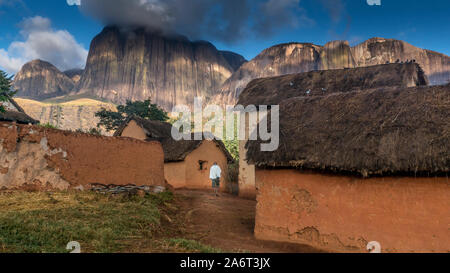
(247,188)
(187,174)
(209,152)
(62,160)
(175,174)
(341,213)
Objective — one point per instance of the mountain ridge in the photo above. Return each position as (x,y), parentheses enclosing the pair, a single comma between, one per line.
(172,70)
(290,58)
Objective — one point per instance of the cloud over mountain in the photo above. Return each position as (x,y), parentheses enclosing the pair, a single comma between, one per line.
(41,41)
(225,20)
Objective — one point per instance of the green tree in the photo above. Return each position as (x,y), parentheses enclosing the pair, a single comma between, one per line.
(6,91)
(145,109)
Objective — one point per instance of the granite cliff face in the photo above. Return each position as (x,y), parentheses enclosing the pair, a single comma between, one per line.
(304,57)
(137,65)
(379,50)
(278,60)
(233,59)
(74,74)
(40,80)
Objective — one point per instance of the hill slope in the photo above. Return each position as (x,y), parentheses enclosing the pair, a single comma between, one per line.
(70,115)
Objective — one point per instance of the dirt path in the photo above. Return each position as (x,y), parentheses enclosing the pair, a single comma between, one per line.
(226,223)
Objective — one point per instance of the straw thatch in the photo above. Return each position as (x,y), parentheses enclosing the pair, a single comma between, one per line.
(374,132)
(16,105)
(153,129)
(15,113)
(174,151)
(272,91)
(17,117)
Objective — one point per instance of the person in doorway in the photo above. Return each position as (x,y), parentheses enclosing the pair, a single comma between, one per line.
(214,175)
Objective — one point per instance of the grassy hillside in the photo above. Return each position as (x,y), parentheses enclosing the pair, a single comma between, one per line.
(67,113)
(71,98)
(38,222)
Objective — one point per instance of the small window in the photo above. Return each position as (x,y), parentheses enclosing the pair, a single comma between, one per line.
(202,165)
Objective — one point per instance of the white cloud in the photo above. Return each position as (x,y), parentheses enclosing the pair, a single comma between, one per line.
(32,24)
(10,64)
(73,2)
(40,41)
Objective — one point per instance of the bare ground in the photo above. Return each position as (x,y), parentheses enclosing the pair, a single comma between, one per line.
(225,222)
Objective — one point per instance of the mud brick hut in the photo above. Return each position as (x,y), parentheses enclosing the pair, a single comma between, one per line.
(187,162)
(274,90)
(359,167)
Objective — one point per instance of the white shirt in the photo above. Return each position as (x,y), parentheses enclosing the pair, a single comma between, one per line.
(215,172)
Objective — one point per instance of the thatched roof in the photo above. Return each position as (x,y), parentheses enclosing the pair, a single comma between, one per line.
(15,113)
(153,129)
(272,91)
(16,105)
(174,151)
(374,132)
(18,117)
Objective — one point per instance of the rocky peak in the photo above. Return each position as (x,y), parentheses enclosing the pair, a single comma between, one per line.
(137,64)
(380,50)
(40,80)
(277,60)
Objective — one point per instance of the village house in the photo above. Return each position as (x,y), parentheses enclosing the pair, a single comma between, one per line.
(187,162)
(274,90)
(358,167)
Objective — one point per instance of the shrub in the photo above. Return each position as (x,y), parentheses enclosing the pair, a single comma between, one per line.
(48,126)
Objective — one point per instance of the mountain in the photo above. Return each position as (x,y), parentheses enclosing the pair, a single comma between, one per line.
(74,74)
(379,50)
(304,57)
(140,64)
(235,60)
(171,70)
(274,61)
(40,80)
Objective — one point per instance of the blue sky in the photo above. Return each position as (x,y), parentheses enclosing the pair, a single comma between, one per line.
(425,24)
